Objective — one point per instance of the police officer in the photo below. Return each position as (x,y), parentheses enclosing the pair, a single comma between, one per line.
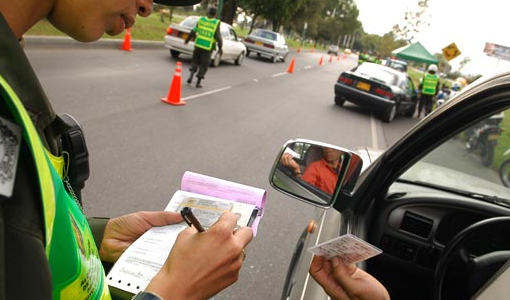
(48,248)
(207,34)
(429,87)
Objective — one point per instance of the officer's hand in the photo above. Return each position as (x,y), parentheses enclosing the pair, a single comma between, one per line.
(121,232)
(221,51)
(346,282)
(202,264)
(186,42)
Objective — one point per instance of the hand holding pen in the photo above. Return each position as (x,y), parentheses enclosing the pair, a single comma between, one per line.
(200,265)
(189,217)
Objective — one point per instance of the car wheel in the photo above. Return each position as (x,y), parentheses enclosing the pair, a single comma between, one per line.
(389,114)
(339,100)
(285,57)
(216,60)
(174,54)
(410,111)
(239,60)
(247,53)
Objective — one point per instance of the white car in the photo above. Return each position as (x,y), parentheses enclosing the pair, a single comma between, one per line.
(233,48)
(267,43)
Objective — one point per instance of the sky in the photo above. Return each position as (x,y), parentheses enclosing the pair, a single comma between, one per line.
(468,24)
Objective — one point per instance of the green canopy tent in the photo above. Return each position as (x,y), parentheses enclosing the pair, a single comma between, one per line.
(415,52)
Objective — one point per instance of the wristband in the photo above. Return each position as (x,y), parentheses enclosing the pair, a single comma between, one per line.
(145,296)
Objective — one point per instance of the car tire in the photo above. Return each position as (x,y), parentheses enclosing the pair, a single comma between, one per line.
(410,112)
(216,60)
(247,53)
(174,53)
(389,114)
(339,100)
(285,57)
(239,60)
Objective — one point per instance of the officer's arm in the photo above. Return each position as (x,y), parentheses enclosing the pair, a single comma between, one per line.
(191,35)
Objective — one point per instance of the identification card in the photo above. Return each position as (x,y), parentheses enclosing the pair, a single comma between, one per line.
(348,247)
(10,142)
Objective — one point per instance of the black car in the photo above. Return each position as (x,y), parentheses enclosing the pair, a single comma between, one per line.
(385,91)
(439,214)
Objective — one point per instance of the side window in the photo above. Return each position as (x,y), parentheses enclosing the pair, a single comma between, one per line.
(411,85)
(225,33)
(233,34)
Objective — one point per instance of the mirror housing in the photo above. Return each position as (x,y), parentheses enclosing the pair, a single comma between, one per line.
(314,172)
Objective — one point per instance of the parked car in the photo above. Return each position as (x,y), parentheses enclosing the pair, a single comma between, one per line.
(233,48)
(267,43)
(440,217)
(381,89)
(333,49)
(347,51)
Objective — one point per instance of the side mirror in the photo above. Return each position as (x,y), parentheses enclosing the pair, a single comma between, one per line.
(314,172)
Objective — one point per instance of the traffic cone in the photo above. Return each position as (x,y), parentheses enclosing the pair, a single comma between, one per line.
(330,59)
(174,93)
(291,66)
(299,49)
(338,58)
(321,60)
(311,50)
(126,45)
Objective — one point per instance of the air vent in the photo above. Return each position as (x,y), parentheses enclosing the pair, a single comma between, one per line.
(416,224)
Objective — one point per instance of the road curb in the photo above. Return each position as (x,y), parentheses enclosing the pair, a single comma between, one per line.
(49,42)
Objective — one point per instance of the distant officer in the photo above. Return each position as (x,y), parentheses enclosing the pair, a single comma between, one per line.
(429,87)
(207,34)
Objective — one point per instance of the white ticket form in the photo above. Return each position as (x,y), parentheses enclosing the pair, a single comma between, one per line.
(349,247)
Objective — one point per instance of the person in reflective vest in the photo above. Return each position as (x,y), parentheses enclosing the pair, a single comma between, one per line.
(207,34)
(429,87)
(48,248)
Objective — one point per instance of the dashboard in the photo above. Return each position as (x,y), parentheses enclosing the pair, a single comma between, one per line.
(413,228)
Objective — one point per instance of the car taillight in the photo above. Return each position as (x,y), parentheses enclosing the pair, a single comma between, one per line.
(345,80)
(169,31)
(384,93)
(248,40)
(269,46)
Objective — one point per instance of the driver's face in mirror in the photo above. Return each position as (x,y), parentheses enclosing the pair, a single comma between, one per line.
(317,166)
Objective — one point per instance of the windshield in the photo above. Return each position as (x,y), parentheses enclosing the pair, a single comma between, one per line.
(474,162)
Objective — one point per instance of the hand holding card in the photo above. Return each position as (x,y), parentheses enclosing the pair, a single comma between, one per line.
(348,247)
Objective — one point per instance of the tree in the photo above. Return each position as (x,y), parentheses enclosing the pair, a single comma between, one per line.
(413,21)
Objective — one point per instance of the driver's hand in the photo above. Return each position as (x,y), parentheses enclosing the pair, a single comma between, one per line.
(346,282)
(288,161)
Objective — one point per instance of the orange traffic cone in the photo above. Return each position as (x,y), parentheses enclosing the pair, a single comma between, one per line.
(291,66)
(330,58)
(311,50)
(338,58)
(299,49)
(174,93)
(321,60)
(126,45)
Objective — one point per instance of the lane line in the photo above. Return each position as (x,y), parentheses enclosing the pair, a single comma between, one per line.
(207,93)
(373,129)
(279,74)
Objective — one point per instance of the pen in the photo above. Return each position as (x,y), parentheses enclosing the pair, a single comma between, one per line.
(190,218)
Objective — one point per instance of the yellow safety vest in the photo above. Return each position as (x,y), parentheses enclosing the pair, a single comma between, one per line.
(205,30)
(76,269)
(429,84)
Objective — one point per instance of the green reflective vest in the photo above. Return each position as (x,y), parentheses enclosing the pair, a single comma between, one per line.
(75,266)
(429,84)
(205,30)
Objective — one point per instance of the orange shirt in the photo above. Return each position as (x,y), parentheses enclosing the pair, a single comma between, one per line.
(321,175)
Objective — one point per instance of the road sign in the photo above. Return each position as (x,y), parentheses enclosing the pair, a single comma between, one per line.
(451,51)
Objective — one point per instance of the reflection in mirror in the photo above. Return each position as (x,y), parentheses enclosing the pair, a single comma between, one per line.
(312,171)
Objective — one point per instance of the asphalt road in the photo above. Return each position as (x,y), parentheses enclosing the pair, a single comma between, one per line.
(231,129)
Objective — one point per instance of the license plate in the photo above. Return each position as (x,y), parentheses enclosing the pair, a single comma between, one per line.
(493,137)
(184,35)
(363,86)
(259,43)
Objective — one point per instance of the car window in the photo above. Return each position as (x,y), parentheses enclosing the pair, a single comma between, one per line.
(225,33)
(265,34)
(471,162)
(411,86)
(190,22)
(377,72)
(233,34)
